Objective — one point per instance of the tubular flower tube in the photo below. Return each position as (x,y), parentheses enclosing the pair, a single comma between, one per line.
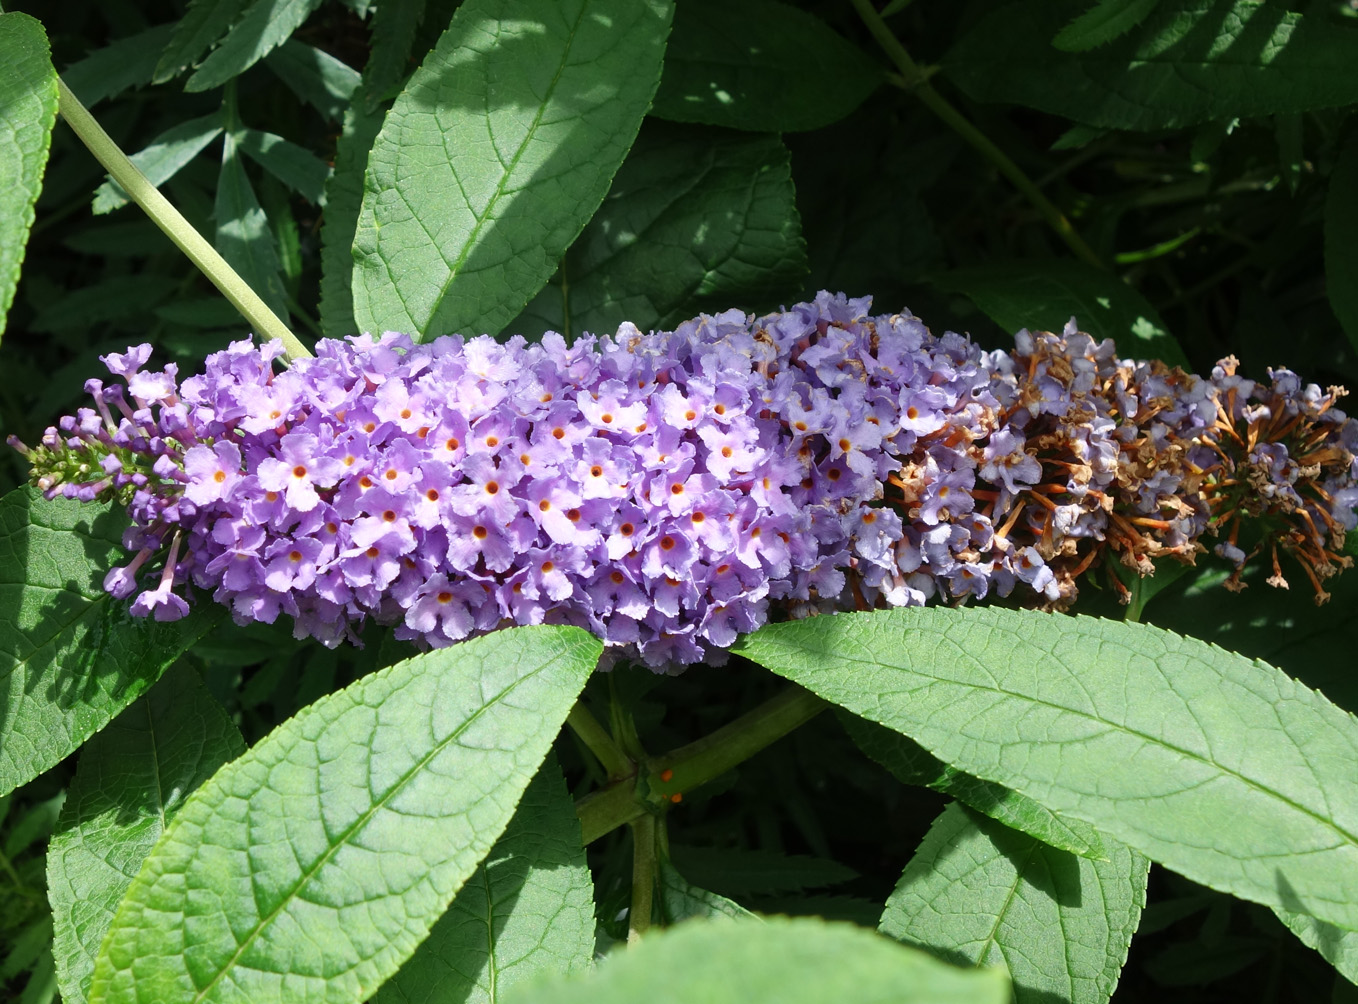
(669,491)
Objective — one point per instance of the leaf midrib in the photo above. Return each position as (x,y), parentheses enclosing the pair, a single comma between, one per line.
(358,824)
(1349,838)
(455,266)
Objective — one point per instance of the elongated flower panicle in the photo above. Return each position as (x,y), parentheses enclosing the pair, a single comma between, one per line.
(671,490)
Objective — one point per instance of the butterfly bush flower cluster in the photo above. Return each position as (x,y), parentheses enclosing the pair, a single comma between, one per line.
(671,490)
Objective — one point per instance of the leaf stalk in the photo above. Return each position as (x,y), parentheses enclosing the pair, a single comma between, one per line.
(171,221)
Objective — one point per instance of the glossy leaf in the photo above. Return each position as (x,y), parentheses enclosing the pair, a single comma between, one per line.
(1151,737)
(243,235)
(1105,21)
(313,866)
(28,110)
(979,893)
(1190,61)
(762,66)
(527,909)
(495,156)
(71,657)
(1045,296)
(696,219)
(788,961)
(132,778)
(1341,248)
(911,763)
(265,25)
(162,159)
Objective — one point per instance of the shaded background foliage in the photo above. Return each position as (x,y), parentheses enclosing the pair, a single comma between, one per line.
(1219,198)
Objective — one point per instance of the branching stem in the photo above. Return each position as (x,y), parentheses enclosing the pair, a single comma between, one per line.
(661,781)
(916,80)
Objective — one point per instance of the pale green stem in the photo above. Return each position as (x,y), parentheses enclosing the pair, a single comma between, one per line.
(643,876)
(615,762)
(915,80)
(178,229)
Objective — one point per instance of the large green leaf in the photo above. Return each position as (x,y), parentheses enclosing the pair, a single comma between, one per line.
(696,219)
(1190,61)
(911,763)
(28,109)
(311,868)
(979,893)
(132,778)
(1045,295)
(162,159)
(782,960)
(1341,239)
(495,156)
(265,25)
(243,236)
(527,909)
(1153,738)
(760,65)
(71,657)
(1339,947)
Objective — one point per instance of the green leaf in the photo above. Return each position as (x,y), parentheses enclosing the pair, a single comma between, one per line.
(495,156)
(696,219)
(132,778)
(756,872)
(681,901)
(760,65)
(911,763)
(1045,295)
(316,77)
(978,893)
(1337,946)
(128,62)
(264,26)
(1341,238)
(1105,21)
(295,166)
(527,909)
(110,300)
(393,38)
(312,867)
(789,961)
(71,657)
(28,109)
(201,27)
(343,197)
(162,159)
(1153,738)
(243,234)
(1190,61)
